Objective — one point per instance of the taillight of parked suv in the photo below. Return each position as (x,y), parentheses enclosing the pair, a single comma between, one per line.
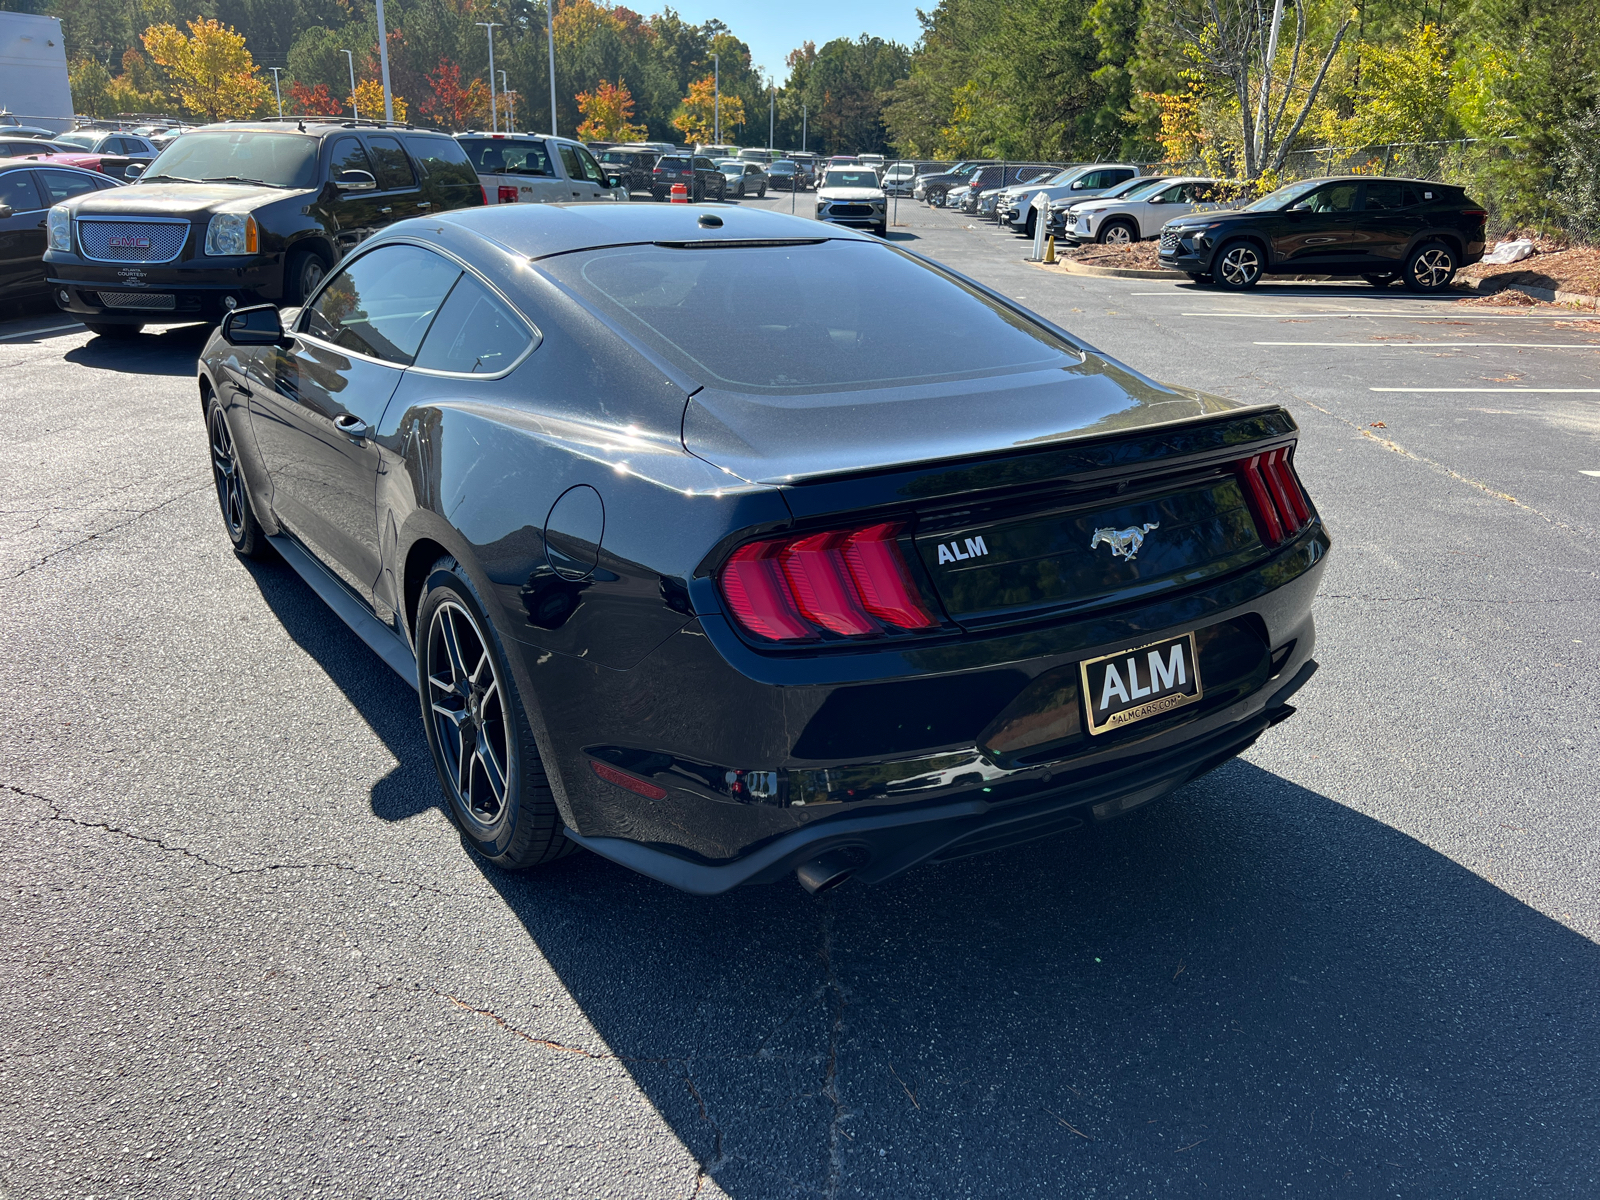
(853,583)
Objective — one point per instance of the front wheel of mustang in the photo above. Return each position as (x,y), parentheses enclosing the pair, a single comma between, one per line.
(238,516)
(1237,266)
(482,744)
(1430,268)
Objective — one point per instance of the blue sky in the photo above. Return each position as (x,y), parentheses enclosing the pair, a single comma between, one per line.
(772,28)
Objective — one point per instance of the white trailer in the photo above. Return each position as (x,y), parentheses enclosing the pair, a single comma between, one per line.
(33,72)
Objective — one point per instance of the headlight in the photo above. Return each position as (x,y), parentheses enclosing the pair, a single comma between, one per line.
(232,233)
(60,228)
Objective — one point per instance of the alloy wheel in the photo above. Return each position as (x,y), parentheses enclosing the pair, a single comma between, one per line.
(225,471)
(467,704)
(1119,235)
(1240,266)
(311,276)
(1432,268)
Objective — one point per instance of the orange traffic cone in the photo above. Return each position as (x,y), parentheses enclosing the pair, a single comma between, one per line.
(680,194)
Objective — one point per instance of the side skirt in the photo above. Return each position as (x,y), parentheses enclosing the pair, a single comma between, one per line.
(383,641)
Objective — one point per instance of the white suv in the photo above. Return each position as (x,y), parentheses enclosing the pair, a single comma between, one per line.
(1141,214)
(1015,205)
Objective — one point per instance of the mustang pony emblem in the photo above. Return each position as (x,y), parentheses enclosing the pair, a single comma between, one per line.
(1124,542)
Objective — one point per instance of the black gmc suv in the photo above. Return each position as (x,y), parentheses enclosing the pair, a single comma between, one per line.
(1379,230)
(244,213)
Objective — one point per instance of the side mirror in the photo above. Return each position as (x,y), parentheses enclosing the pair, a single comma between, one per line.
(356,181)
(258,325)
(613,180)
(133,170)
(1155,200)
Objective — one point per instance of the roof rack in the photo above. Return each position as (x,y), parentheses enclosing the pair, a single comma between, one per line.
(333,119)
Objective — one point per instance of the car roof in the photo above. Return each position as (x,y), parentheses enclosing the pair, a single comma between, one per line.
(315,127)
(539,230)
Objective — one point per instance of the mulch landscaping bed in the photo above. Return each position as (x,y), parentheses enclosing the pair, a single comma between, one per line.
(1555,265)
(1140,256)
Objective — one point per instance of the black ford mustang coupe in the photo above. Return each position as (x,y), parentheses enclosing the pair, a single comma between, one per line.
(728,545)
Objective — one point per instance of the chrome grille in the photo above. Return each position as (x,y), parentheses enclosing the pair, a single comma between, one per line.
(132,241)
(1169,242)
(161,300)
(851,210)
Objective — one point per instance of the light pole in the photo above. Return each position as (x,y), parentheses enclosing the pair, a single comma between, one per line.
(511,121)
(355,112)
(550,40)
(383,61)
(716,93)
(802,129)
(772,114)
(276,91)
(494,114)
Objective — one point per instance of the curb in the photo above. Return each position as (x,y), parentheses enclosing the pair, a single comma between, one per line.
(1073,268)
(1547,295)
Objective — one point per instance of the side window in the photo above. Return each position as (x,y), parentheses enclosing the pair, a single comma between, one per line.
(569,160)
(1120,175)
(383,302)
(394,165)
(704,164)
(17,190)
(348,155)
(58,185)
(1174,195)
(1383,194)
(1341,197)
(475,333)
(1084,182)
(443,160)
(591,169)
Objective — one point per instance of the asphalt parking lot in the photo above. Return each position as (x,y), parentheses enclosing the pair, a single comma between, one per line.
(243,953)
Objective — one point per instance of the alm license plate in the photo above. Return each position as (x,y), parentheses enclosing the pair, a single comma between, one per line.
(1131,685)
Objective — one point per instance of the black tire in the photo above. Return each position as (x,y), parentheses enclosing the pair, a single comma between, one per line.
(233,497)
(741,189)
(1430,268)
(1118,233)
(762,194)
(110,329)
(1379,281)
(882,230)
(478,730)
(1237,266)
(301,275)
(1032,223)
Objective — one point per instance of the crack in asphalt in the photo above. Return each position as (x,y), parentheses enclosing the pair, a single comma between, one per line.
(56,814)
(84,541)
(833,989)
(1396,448)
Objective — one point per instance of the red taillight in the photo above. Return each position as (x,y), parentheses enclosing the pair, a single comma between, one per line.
(508,194)
(1278,502)
(1476,214)
(851,582)
(484,192)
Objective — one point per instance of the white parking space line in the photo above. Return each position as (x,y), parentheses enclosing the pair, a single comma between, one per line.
(11,337)
(1448,345)
(1596,474)
(1474,391)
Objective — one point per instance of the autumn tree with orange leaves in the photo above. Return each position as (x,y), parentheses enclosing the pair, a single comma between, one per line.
(606,111)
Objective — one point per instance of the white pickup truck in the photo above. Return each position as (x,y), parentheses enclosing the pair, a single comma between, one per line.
(523,167)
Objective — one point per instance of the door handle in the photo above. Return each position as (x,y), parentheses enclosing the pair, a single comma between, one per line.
(425,204)
(386,208)
(351,426)
(577,194)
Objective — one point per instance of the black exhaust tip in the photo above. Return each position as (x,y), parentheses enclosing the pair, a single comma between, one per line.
(830,868)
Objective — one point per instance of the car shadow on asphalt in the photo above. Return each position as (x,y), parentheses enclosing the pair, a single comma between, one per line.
(1246,989)
(1246,985)
(170,351)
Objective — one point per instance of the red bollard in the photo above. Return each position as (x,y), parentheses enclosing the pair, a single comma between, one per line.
(680,194)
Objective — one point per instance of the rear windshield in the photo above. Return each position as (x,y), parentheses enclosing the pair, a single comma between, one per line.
(506,156)
(84,141)
(287,160)
(830,316)
(675,163)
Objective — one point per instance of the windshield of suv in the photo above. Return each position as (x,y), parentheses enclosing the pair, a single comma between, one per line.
(850,179)
(1284,196)
(829,316)
(285,160)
